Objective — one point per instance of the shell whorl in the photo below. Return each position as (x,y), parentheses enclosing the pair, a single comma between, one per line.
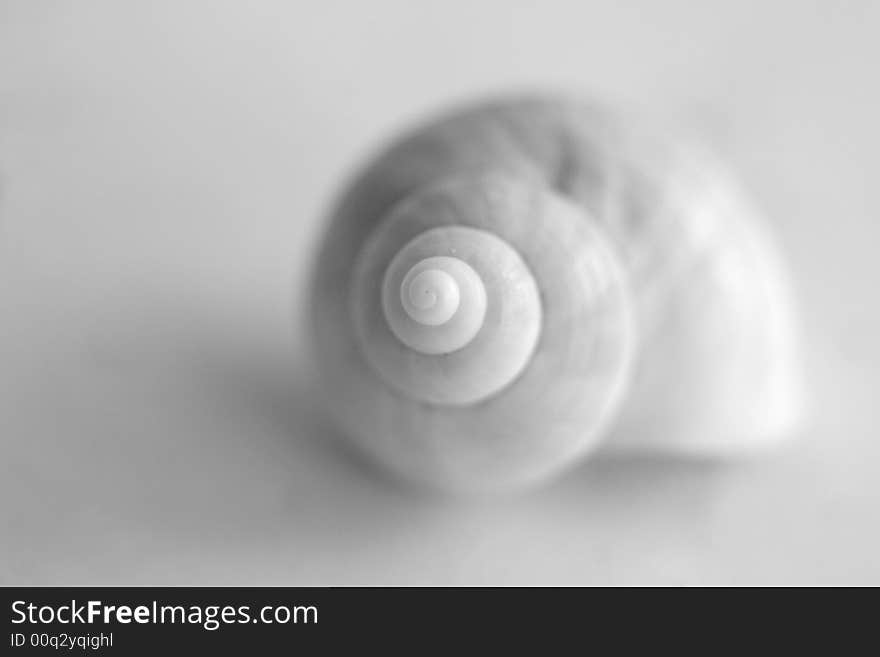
(440,304)
(431,296)
(482,346)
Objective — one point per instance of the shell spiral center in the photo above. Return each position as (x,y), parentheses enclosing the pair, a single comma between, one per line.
(444,305)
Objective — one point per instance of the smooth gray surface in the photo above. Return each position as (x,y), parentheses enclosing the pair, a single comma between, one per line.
(163,168)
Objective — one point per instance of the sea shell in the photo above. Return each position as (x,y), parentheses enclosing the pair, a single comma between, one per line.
(577,282)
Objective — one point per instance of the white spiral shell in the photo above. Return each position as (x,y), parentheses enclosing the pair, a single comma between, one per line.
(506,288)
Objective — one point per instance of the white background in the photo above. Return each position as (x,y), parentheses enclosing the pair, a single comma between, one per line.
(163,170)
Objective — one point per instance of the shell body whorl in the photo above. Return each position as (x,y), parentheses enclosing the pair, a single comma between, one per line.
(504,289)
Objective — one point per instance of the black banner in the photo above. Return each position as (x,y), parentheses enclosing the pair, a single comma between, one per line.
(151,621)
